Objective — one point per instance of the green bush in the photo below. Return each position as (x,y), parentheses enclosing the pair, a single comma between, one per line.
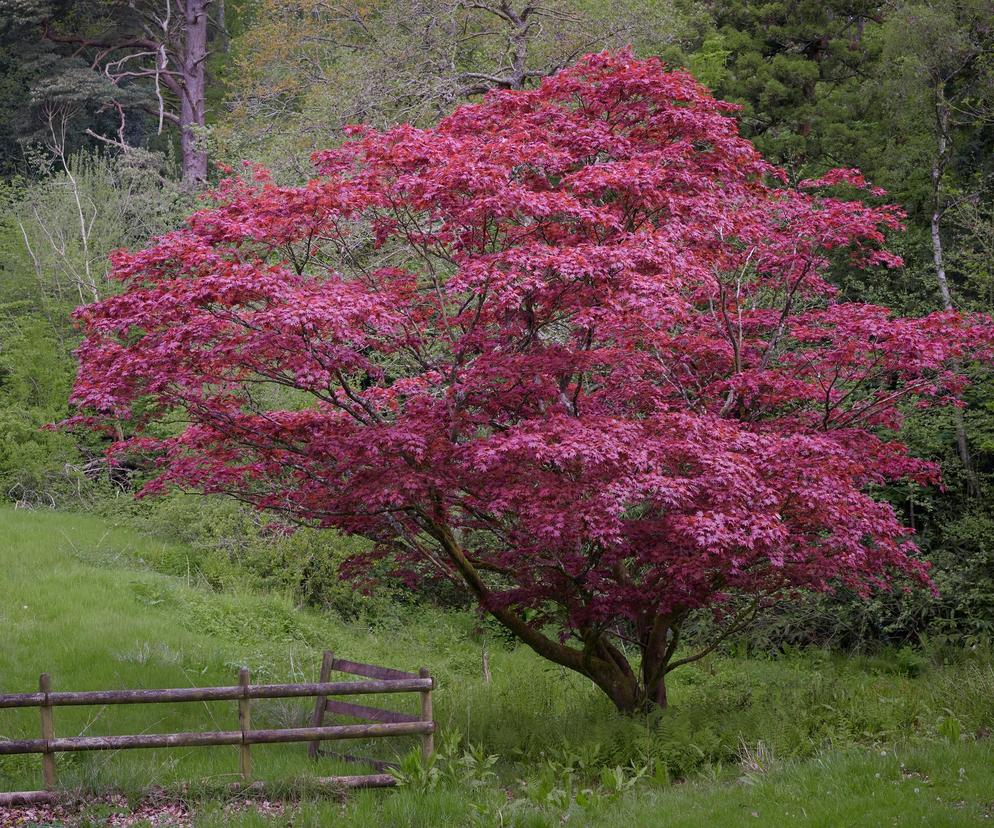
(227,546)
(37,466)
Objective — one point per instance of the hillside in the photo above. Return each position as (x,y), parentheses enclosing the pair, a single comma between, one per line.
(79,603)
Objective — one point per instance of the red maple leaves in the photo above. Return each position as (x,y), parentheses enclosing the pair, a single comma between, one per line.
(574,347)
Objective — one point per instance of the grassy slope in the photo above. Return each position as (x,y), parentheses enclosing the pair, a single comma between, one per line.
(74,602)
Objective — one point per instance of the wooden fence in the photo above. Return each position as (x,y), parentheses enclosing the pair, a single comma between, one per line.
(379,722)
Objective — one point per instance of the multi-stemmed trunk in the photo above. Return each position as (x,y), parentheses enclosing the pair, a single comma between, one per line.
(633,690)
(598,659)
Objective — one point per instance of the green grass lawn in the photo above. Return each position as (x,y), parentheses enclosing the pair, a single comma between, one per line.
(810,739)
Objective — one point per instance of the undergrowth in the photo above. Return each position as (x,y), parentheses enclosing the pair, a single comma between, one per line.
(535,745)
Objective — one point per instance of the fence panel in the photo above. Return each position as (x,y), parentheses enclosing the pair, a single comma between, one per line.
(380,723)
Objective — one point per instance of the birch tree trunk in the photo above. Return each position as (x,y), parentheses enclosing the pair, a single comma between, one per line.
(939,161)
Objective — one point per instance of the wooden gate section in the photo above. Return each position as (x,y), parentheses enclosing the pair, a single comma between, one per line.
(323,704)
(377,722)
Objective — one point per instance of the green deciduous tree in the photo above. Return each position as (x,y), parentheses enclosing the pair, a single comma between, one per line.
(55,236)
(306,68)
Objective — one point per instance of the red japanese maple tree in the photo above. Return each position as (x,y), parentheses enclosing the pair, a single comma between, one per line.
(573,348)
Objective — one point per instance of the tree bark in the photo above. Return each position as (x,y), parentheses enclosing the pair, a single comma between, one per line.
(193,92)
(620,686)
(938,168)
(939,161)
(656,694)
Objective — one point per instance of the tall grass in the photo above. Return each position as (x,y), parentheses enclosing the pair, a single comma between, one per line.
(78,600)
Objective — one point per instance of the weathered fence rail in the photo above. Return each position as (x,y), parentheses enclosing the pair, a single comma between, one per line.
(379,722)
(323,705)
(190,694)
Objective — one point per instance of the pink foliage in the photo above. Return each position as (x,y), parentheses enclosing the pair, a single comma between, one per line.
(574,346)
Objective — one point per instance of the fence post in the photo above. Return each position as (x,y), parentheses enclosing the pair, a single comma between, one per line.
(245,725)
(47,732)
(428,739)
(317,717)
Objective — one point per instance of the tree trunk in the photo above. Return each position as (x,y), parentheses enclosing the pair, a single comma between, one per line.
(631,694)
(656,694)
(599,660)
(622,689)
(938,168)
(193,94)
(659,637)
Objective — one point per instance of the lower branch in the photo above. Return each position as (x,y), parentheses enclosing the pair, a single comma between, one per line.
(742,620)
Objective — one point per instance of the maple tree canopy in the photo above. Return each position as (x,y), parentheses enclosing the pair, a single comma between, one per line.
(573,348)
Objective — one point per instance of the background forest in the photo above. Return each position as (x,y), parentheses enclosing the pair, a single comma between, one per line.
(115,115)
